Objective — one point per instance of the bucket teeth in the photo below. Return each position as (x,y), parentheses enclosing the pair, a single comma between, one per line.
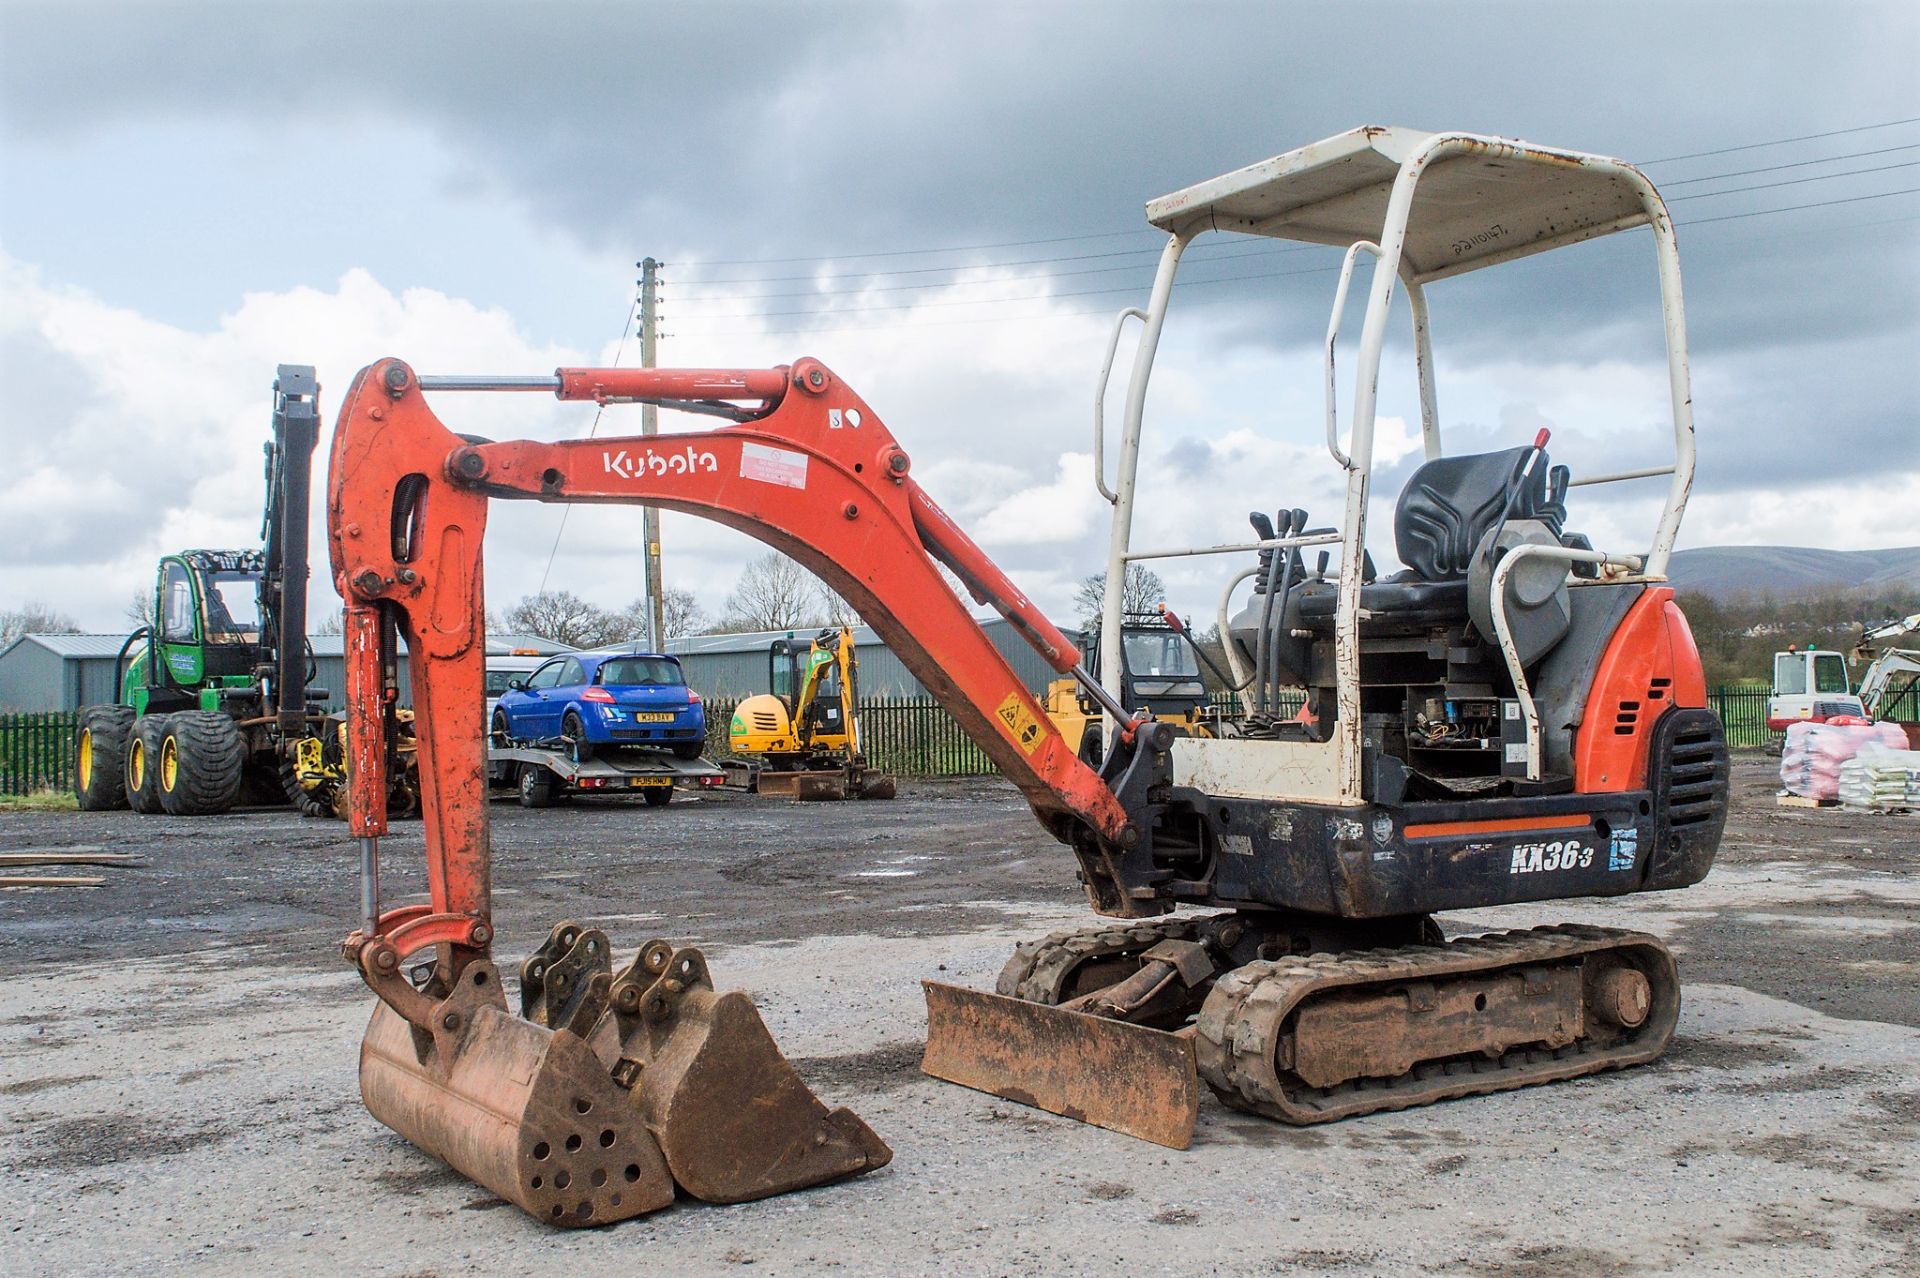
(609,1090)
(564,984)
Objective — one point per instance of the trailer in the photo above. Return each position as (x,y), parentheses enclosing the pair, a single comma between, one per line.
(545,773)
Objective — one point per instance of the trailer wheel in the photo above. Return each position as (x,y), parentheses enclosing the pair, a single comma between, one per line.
(202,759)
(100,758)
(657,796)
(143,763)
(575,731)
(536,786)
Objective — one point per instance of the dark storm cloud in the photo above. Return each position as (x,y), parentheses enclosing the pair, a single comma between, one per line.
(776,130)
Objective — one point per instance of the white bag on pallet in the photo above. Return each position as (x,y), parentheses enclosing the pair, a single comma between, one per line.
(1810,765)
(1881,779)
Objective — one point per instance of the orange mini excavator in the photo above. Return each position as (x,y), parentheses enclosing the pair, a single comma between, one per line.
(1514,716)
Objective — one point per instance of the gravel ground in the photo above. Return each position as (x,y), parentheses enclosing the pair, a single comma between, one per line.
(177,1053)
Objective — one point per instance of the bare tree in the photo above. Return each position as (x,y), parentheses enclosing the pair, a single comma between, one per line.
(680,612)
(683,613)
(564,617)
(332,623)
(140,608)
(33,618)
(1144,590)
(833,610)
(773,593)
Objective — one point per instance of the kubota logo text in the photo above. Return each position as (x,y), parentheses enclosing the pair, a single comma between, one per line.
(633,465)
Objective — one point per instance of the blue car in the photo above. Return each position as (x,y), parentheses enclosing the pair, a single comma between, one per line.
(605,699)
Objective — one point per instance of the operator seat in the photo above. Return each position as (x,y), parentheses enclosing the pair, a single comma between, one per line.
(1447,508)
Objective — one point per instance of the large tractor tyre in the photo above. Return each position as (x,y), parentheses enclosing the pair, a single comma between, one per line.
(575,731)
(536,786)
(100,758)
(657,796)
(143,763)
(202,762)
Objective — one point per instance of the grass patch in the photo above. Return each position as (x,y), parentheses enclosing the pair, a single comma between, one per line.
(40,801)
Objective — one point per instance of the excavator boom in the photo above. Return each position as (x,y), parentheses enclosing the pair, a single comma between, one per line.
(804,466)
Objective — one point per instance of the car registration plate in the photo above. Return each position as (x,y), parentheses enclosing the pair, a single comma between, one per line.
(652,716)
(637,782)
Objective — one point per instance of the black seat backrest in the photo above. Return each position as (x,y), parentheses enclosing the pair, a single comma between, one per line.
(1450,502)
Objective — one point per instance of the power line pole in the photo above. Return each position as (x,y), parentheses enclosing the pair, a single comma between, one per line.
(650,425)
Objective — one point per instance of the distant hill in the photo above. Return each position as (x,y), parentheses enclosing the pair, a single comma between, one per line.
(1725,572)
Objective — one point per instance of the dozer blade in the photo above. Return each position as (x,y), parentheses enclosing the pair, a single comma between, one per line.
(528,1112)
(731,1115)
(1124,1077)
(810,786)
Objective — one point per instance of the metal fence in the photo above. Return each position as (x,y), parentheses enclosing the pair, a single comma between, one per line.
(908,736)
(36,751)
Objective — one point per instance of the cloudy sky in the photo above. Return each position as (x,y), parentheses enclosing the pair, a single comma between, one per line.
(943,202)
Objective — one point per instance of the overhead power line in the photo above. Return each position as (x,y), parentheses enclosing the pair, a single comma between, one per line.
(1818,177)
(951,248)
(1151,254)
(626,331)
(1669,184)
(1805,137)
(1188,284)
(1138,231)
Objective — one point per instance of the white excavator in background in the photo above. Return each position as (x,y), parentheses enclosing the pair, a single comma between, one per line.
(1811,685)
(1891,672)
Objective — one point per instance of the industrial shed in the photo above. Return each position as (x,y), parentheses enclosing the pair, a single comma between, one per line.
(729,667)
(65,672)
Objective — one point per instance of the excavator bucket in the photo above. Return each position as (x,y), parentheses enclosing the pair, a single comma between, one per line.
(732,1117)
(527,1112)
(609,1091)
(1124,1077)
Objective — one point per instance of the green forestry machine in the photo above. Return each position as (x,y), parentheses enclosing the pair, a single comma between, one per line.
(215,698)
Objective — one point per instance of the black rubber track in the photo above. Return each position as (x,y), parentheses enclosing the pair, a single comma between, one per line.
(107,727)
(211,757)
(148,729)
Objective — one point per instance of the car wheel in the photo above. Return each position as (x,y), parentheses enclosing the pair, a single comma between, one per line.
(688,749)
(502,732)
(575,731)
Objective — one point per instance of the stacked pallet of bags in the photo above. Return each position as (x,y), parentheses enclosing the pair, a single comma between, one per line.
(1881,780)
(1815,753)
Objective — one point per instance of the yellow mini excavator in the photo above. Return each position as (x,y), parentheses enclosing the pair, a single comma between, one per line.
(803,738)
(1159,680)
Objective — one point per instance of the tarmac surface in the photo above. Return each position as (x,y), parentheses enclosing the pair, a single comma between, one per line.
(178,1047)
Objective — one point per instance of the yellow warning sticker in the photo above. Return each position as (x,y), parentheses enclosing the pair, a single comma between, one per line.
(1020,721)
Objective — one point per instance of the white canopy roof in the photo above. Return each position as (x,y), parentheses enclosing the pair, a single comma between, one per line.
(1498,200)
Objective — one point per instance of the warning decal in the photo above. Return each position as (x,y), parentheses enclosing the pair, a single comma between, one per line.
(773,465)
(1021,722)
